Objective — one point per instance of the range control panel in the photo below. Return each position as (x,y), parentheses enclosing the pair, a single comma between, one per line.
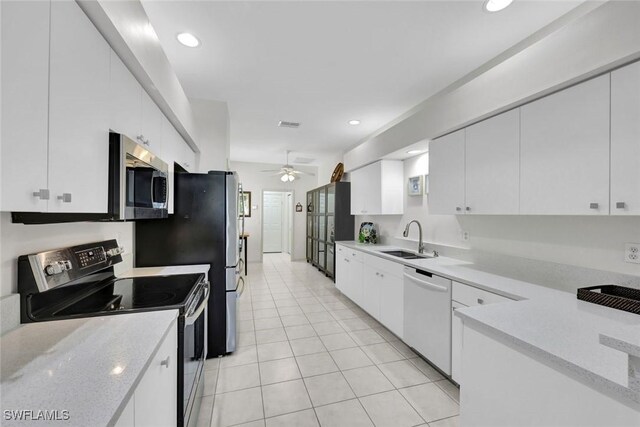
(91,256)
(61,266)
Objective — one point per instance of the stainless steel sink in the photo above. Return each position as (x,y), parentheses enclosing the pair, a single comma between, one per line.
(405,254)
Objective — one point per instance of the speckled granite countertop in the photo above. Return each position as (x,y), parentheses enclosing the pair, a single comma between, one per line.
(88,367)
(585,340)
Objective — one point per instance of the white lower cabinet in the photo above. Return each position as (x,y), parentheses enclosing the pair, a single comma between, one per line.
(456,342)
(155,400)
(371,292)
(349,272)
(128,416)
(465,296)
(392,303)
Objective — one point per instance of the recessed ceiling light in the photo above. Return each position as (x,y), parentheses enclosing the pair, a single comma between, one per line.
(354,122)
(188,39)
(496,5)
(415,151)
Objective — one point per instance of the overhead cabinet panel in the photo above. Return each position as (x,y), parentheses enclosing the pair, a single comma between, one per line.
(447,174)
(78,112)
(565,152)
(125,95)
(625,140)
(377,189)
(25,103)
(493,165)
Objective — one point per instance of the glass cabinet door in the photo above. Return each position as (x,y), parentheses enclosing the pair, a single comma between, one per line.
(330,259)
(331,199)
(331,232)
(322,202)
(321,254)
(322,230)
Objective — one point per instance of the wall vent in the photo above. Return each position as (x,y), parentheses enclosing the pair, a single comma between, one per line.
(284,124)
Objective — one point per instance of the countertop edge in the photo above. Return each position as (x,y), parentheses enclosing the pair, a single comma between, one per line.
(589,378)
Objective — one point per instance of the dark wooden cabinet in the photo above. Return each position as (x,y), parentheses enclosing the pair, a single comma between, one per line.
(329,220)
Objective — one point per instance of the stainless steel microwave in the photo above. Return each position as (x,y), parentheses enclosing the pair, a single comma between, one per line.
(138,186)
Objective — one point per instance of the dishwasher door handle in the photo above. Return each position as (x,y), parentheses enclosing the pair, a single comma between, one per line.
(426,284)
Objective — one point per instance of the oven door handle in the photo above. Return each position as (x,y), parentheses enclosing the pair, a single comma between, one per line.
(191,319)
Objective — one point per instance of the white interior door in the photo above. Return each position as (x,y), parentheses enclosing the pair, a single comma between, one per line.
(272,222)
(288,220)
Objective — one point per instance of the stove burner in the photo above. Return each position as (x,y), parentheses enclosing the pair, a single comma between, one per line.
(153,298)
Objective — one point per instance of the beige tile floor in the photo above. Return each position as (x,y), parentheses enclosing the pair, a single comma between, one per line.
(307,356)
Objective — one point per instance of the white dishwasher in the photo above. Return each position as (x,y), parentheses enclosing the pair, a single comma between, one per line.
(427,316)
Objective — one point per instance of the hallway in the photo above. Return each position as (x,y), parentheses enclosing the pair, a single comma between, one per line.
(307,356)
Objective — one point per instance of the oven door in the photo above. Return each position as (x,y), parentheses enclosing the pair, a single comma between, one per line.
(193,357)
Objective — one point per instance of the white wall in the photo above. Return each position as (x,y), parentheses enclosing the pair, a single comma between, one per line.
(606,37)
(584,241)
(212,126)
(255,181)
(19,239)
(326,167)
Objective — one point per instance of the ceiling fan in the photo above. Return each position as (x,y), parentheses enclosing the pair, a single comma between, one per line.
(287,172)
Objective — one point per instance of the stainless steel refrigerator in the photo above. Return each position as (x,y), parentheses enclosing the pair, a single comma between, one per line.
(205,228)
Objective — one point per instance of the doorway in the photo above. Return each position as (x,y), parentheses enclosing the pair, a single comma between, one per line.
(277,221)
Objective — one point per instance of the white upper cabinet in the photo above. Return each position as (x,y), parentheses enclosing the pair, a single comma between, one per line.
(125,95)
(25,97)
(377,189)
(447,174)
(151,131)
(493,165)
(78,112)
(625,140)
(565,151)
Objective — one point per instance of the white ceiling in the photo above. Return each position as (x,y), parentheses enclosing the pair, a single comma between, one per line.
(323,63)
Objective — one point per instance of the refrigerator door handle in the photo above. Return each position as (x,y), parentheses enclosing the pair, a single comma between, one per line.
(240,290)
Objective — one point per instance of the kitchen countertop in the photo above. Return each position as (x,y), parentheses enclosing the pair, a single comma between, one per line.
(587,341)
(89,367)
(171,270)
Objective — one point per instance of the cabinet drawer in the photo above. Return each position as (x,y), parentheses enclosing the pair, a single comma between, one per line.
(470,296)
(353,254)
(383,265)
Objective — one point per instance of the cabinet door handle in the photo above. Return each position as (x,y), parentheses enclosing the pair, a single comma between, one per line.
(377,274)
(619,205)
(381,275)
(43,194)
(593,206)
(66,197)
(468,209)
(480,301)
(458,209)
(165,362)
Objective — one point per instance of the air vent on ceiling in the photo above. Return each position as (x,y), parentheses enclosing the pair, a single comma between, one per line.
(284,124)
(302,160)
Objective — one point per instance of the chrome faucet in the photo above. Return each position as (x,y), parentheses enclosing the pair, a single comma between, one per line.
(405,233)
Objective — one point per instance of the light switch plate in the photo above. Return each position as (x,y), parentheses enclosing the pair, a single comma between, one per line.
(632,253)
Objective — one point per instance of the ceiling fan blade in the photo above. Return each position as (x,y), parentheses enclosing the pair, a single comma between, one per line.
(272,170)
(303,173)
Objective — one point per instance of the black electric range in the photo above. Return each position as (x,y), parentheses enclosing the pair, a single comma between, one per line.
(79,281)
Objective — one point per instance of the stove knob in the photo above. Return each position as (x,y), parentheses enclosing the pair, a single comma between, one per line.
(58,267)
(115,251)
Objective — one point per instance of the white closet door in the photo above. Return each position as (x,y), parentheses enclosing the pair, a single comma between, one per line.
(272,222)
(565,152)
